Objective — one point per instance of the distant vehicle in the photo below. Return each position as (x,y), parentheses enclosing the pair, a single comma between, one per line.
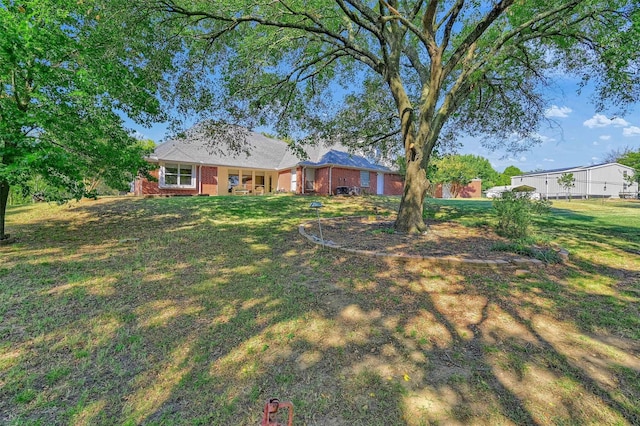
(526,190)
(496,191)
(533,195)
(522,191)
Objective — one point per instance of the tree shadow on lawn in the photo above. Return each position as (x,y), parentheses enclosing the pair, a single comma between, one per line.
(81,294)
(609,305)
(14,210)
(560,223)
(484,348)
(444,209)
(109,319)
(580,229)
(628,204)
(115,219)
(194,324)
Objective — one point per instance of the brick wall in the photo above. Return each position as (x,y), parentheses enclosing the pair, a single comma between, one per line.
(209,180)
(344,177)
(284,181)
(473,190)
(209,184)
(299,179)
(322,181)
(373,184)
(393,184)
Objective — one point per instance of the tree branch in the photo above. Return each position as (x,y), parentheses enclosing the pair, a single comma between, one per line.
(368,13)
(453,16)
(416,64)
(475,34)
(500,44)
(416,10)
(312,25)
(410,26)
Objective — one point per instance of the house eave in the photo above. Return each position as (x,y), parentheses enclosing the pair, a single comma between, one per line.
(201,163)
(572,170)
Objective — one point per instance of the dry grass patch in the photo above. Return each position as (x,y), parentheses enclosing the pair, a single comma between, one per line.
(196,310)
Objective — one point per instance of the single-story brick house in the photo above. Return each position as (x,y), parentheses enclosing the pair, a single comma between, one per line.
(198,164)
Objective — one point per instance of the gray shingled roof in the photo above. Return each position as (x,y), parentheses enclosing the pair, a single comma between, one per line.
(201,145)
(335,157)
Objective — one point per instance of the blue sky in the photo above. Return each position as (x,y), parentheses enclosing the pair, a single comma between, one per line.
(581,137)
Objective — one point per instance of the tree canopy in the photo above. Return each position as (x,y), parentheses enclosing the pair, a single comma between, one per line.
(67,77)
(412,74)
(460,170)
(505,177)
(567,181)
(632,159)
(628,157)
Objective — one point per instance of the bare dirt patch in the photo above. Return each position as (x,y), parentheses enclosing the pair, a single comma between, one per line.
(444,238)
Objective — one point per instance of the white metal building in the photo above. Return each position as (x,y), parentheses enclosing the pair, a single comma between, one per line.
(597,181)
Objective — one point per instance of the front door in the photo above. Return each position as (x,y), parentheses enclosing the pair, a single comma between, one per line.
(380,184)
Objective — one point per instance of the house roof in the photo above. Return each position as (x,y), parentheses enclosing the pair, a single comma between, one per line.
(341,158)
(572,169)
(233,146)
(241,148)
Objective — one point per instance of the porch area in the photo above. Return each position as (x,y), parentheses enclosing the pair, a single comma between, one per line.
(247,181)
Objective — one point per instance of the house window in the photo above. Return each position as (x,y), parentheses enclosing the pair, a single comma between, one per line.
(177,176)
(364,178)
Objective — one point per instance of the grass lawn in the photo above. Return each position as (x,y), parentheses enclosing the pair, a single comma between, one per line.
(197,310)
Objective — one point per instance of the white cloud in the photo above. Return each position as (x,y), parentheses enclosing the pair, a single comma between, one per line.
(542,138)
(556,111)
(631,131)
(515,160)
(600,120)
(549,160)
(605,137)
(595,143)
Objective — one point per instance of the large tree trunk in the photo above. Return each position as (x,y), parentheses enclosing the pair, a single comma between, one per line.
(4,197)
(416,184)
(419,140)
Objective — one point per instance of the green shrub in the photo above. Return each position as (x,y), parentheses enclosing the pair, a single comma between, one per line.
(541,206)
(514,214)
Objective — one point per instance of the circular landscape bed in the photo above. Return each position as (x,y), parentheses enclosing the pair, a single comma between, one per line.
(450,241)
